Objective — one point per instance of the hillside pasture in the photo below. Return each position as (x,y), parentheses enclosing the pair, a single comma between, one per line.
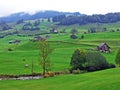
(23,53)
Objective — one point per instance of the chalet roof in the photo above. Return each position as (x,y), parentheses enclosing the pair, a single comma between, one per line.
(55,30)
(102,44)
(37,38)
(15,41)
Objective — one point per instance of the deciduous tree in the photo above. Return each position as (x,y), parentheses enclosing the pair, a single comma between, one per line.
(117,59)
(45,51)
(78,59)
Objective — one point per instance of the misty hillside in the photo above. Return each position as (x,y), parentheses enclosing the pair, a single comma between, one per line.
(40,14)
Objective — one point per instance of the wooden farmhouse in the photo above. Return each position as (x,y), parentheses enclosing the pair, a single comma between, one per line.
(54,31)
(103,47)
(14,41)
(38,38)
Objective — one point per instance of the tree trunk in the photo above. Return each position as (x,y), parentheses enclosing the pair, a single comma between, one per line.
(44,68)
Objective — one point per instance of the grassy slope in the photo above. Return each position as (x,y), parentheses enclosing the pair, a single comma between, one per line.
(100,80)
(61,55)
(12,62)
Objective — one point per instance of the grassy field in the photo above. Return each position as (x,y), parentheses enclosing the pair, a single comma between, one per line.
(13,62)
(100,80)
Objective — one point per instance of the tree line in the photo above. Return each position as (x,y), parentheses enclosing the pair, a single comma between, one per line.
(4,26)
(85,19)
(30,26)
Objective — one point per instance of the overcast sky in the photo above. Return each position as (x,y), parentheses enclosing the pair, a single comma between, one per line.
(83,6)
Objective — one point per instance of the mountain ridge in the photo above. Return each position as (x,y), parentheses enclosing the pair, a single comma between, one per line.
(40,14)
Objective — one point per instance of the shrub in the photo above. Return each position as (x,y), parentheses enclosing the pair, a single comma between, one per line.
(73,36)
(78,59)
(90,61)
(51,74)
(111,65)
(118,29)
(9,49)
(76,71)
(95,61)
(112,31)
(66,71)
(58,73)
(74,31)
(117,59)
(82,37)
(46,75)
(90,68)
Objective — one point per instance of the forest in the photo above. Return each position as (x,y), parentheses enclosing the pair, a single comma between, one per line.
(85,19)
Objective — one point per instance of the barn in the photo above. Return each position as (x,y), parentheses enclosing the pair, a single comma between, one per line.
(37,38)
(54,31)
(14,41)
(103,47)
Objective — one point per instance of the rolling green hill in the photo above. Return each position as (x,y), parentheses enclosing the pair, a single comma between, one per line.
(63,46)
(13,62)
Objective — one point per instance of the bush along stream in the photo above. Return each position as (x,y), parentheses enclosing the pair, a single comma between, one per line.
(31,76)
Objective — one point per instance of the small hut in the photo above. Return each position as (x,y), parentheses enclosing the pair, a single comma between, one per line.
(54,31)
(14,41)
(37,38)
(103,47)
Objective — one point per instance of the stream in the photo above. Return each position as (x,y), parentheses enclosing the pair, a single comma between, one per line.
(22,78)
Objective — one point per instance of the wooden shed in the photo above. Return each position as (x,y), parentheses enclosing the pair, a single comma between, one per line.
(14,41)
(38,38)
(103,47)
(54,31)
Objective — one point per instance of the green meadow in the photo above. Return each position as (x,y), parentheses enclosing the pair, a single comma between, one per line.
(100,80)
(13,62)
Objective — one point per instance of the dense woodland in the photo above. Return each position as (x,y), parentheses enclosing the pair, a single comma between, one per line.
(26,16)
(85,19)
(60,17)
(4,26)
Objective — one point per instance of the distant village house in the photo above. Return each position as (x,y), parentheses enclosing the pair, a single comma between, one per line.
(37,38)
(14,41)
(54,31)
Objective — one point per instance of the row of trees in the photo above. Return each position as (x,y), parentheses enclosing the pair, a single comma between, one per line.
(95,29)
(20,21)
(4,26)
(84,19)
(58,18)
(30,26)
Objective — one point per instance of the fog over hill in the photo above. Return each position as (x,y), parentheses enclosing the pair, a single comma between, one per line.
(37,15)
